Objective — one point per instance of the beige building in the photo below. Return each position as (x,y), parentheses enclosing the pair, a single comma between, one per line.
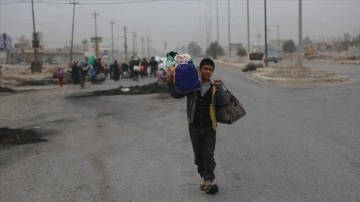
(277,44)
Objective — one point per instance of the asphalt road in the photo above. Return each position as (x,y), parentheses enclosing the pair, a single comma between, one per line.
(297,143)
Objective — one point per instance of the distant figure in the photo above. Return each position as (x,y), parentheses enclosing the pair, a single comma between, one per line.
(75,73)
(60,76)
(124,70)
(144,65)
(111,70)
(97,69)
(134,62)
(153,66)
(116,71)
(83,70)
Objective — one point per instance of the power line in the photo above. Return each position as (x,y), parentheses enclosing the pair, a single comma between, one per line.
(125,45)
(95,3)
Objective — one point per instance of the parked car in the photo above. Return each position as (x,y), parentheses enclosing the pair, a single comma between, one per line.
(273,57)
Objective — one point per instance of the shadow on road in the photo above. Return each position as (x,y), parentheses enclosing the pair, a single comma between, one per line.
(10,137)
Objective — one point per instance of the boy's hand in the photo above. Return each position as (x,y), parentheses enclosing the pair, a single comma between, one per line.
(170,75)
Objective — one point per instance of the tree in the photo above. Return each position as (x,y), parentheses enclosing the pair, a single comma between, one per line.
(307,41)
(241,52)
(194,49)
(85,42)
(215,50)
(288,46)
(183,49)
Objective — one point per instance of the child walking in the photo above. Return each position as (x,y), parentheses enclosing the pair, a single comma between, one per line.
(60,75)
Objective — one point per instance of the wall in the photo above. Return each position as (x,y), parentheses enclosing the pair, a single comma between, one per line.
(353,51)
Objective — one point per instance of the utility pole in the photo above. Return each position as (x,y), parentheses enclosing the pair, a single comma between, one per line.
(210,22)
(142,46)
(248,30)
(258,36)
(207,34)
(72,31)
(300,51)
(229,28)
(217,21)
(112,39)
(134,43)
(278,37)
(148,45)
(96,38)
(125,44)
(266,57)
(35,42)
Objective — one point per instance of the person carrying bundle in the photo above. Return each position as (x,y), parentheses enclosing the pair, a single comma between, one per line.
(201,104)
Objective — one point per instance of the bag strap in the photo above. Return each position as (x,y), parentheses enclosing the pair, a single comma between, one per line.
(225,87)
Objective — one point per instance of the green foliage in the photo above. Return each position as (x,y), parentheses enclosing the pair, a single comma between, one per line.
(193,49)
(215,50)
(251,67)
(241,52)
(307,41)
(288,46)
(84,42)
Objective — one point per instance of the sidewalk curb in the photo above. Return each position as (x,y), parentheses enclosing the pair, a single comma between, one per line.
(262,77)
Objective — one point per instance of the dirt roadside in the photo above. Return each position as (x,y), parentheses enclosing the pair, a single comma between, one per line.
(274,74)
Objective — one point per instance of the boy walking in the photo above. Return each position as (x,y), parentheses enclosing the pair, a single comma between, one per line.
(201,108)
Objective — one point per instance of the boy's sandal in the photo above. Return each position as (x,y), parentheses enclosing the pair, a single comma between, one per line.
(202,187)
(212,189)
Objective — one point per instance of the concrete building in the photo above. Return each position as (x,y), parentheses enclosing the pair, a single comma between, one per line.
(277,44)
(353,51)
(5,42)
(61,57)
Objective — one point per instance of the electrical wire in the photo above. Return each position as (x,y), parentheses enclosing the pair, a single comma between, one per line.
(83,3)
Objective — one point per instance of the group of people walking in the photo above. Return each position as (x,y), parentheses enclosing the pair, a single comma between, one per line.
(133,69)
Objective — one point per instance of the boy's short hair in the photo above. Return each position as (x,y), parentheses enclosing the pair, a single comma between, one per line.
(207,61)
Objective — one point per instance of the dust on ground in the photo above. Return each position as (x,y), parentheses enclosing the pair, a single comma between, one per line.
(20,75)
(10,137)
(298,73)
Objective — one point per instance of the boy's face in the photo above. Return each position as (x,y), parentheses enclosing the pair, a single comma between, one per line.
(206,71)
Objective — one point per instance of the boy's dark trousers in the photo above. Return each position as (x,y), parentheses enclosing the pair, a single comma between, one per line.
(203,140)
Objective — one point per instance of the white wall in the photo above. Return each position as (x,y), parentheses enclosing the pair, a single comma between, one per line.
(353,51)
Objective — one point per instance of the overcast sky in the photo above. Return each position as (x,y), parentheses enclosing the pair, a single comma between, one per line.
(177,21)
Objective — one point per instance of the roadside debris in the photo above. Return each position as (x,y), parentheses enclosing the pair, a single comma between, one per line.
(5,90)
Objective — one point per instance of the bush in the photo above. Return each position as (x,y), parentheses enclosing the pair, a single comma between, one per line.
(252,67)
(241,52)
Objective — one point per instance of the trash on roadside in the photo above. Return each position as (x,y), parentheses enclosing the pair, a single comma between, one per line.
(125,89)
